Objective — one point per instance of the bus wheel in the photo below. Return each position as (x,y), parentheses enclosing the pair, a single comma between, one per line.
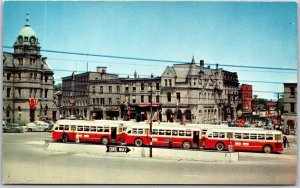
(220,146)
(104,140)
(186,145)
(267,149)
(138,142)
(64,138)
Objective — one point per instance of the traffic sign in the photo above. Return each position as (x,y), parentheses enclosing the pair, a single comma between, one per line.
(117,149)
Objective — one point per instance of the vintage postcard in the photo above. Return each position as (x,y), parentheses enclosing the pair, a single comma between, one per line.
(149,92)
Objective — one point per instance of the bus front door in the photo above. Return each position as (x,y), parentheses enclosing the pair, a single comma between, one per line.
(113,134)
(196,139)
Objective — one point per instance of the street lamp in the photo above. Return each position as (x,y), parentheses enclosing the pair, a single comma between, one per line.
(150,90)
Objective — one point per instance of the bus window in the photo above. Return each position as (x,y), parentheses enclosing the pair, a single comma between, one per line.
(261,136)
(181,133)
(210,135)
(80,128)
(168,132)
(140,131)
(99,129)
(129,132)
(245,135)
(154,132)
(61,127)
(203,132)
(222,135)
(56,128)
(161,132)
(188,133)
(134,131)
(106,129)
(174,132)
(215,134)
(269,137)
(238,135)
(86,128)
(93,129)
(67,127)
(253,136)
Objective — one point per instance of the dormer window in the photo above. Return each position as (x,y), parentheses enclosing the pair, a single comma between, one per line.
(26,39)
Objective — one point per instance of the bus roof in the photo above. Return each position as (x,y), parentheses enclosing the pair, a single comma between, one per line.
(244,130)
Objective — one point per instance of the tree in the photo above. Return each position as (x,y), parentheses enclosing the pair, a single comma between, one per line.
(57,87)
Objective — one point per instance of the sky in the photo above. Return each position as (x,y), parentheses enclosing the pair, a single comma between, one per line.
(260,34)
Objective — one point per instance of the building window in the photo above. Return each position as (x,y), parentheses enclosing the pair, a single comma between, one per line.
(46,93)
(19,74)
(35,75)
(46,79)
(109,89)
(118,89)
(126,89)
(292,107)
(157,98)
(101,89)
(8,76)
(195,80)
(166,82)
(41,95)
(109,101)
(97,101)
(292,91)
(94,89)
(142,98)
(169,96)
(117,100)
(178,96)
(142,86)
(94,101)
(19,91)
(31,76)
(102,101)
(157,86)
(133,89)
(8,92)
(133,99)
(170,82)
(149,99)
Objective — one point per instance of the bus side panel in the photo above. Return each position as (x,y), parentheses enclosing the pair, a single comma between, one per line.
(56,135)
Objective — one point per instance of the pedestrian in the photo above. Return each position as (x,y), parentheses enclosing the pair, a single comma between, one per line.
(285,142)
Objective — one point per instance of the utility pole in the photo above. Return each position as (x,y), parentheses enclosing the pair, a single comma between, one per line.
(150,88)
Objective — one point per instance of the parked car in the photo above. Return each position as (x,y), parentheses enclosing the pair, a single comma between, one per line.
(37,126)
(13,128)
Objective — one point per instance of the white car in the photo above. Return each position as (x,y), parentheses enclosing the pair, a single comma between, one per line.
(37,126)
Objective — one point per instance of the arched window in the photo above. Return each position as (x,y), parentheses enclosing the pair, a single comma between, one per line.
(188,115)
(179,114)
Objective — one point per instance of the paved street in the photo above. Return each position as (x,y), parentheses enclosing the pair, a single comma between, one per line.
(26,161)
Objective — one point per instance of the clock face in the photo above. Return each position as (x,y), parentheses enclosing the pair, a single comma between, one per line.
(32,40)
(20,39)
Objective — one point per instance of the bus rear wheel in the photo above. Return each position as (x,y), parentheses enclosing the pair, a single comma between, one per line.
(220,146)
(186,145)
(104,140)
(267,149)
(138,142)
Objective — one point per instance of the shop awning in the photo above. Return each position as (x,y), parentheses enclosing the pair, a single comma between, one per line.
(145,105)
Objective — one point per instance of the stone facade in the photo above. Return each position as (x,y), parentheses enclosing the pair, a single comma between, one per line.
(186,92)
(290,108)
(26,75)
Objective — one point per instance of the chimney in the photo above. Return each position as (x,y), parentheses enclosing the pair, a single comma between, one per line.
(217,66)
(201,64)
(101,70)
(208,67)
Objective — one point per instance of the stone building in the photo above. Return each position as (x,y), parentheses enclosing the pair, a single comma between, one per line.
(27,81)
(198,94)
(186,92)
(290,108)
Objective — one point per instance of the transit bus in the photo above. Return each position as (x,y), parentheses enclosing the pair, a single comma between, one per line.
(244,139)
(106,131)
(169,134)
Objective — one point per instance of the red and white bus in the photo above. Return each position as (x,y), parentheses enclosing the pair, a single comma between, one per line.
(172,135)
(88,131)
(244,139)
